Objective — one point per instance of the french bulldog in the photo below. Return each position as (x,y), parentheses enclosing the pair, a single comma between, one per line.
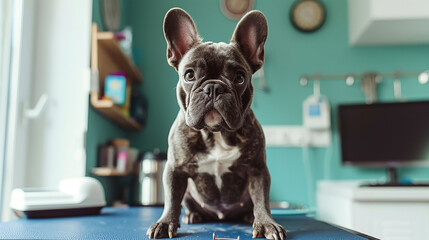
(216,167)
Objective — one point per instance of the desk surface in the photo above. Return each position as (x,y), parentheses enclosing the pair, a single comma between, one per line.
(132,223)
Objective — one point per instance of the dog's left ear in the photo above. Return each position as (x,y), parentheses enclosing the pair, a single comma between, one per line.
(180,33)
(250,35)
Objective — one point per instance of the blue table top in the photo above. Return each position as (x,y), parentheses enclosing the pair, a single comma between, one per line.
(132,223)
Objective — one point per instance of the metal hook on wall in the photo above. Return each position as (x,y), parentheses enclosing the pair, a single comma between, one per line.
(316,87)
(397,86)
(369,86)
(369,81)
(316,83)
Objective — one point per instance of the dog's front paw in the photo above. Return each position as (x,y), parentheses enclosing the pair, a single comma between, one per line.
(269,230)
(192,217)
(162,230)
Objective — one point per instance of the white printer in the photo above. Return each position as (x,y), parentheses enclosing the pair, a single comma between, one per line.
(76,196)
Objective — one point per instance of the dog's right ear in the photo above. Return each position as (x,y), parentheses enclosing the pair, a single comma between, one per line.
(180,33)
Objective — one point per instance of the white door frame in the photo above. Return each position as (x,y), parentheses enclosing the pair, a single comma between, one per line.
(14,160)
(5,43)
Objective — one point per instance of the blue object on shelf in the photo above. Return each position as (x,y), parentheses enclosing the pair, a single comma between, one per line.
(115,88)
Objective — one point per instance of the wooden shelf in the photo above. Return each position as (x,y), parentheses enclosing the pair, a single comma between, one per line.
(113,112)
(106,172)
(111,55)
(106,58)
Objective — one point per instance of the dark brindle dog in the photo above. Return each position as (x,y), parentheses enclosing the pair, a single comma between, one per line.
(216,164)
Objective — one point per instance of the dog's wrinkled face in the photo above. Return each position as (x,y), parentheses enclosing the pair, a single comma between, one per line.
(214,88)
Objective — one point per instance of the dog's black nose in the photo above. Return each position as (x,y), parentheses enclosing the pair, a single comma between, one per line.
(213,90)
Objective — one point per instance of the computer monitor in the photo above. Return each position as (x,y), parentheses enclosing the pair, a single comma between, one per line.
(385,134)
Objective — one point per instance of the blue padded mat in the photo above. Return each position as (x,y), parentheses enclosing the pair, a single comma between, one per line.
(132,223)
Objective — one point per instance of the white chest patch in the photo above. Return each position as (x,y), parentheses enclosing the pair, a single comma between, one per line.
(219,159)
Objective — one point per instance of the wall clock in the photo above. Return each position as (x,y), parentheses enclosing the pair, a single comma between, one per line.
(307,15)
(235,9)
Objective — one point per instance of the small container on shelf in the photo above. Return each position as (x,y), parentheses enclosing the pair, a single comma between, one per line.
(115,158)
(115,88)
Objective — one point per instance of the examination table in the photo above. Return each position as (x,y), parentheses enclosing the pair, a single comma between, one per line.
(132,223)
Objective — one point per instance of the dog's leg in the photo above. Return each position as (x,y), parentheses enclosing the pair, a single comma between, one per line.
(175,183)
(264,224)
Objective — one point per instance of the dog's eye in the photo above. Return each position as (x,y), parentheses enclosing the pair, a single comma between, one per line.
(240,77)
(189,75)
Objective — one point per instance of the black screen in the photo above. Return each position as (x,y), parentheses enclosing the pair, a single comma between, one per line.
(384,134)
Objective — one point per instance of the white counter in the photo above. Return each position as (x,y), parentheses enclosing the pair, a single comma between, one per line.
(391,213)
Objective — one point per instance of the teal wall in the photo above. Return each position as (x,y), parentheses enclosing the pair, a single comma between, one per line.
(101,130)
(289,54)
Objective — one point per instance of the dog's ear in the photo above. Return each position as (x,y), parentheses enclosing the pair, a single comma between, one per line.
(250,35)
(180,33)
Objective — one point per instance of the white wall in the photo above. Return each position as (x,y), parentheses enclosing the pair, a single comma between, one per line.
(61,69)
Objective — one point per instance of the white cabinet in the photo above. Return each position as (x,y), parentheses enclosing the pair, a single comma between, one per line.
(388,213)
(387,22)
